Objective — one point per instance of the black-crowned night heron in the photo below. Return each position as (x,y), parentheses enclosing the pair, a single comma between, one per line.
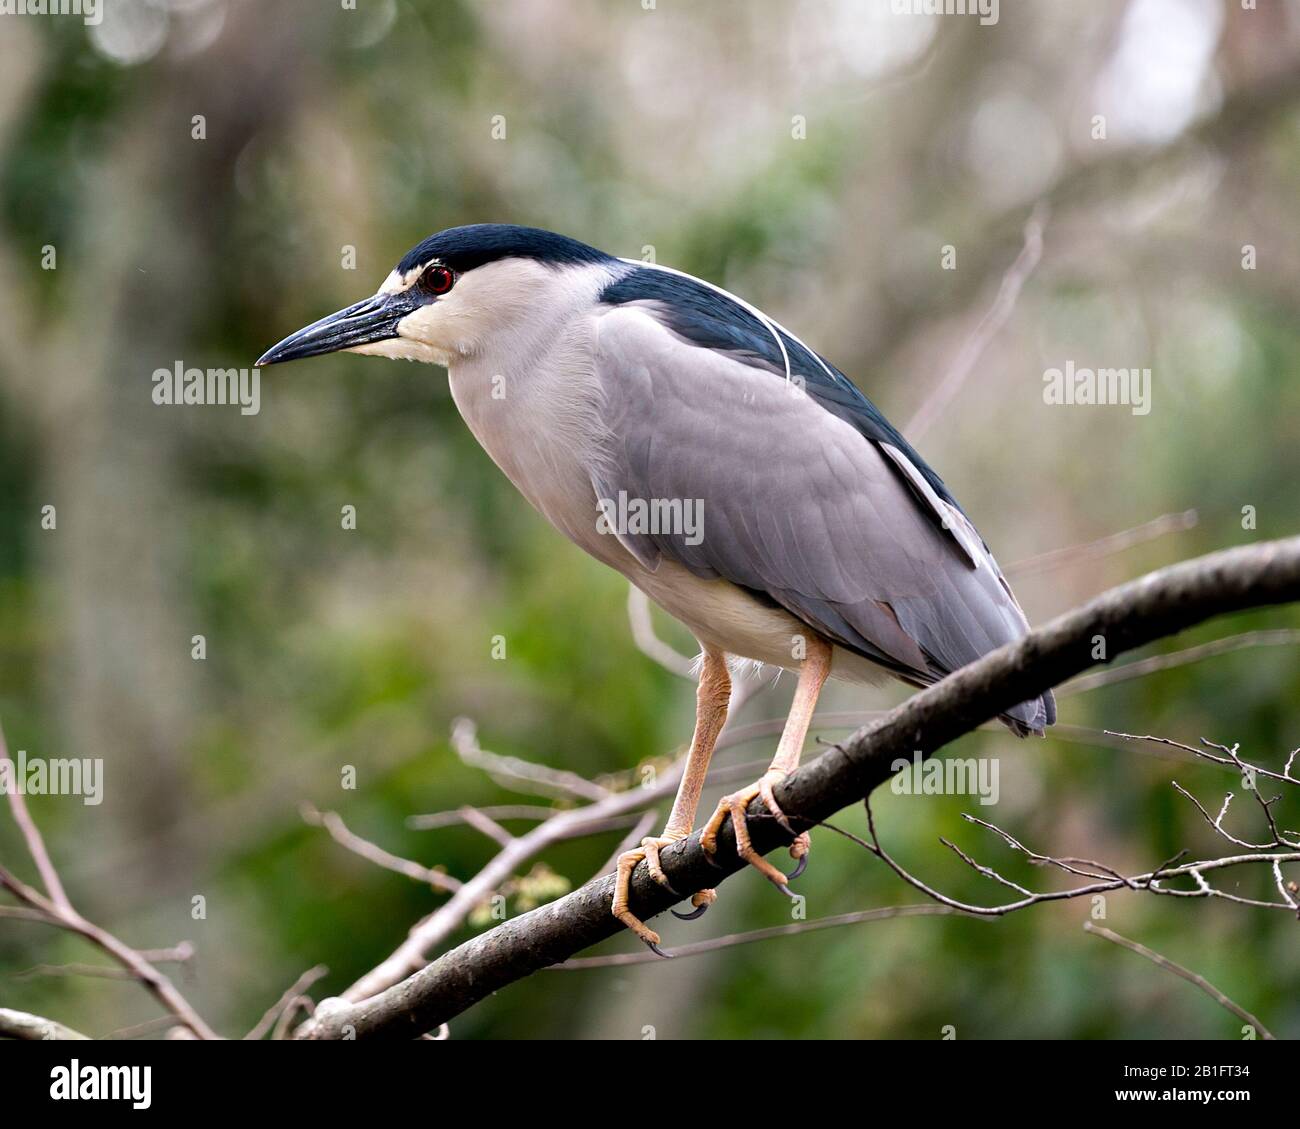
(684,438)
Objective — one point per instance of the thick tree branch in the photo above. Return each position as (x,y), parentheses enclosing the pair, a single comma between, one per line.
(1132,615)
(23,1025)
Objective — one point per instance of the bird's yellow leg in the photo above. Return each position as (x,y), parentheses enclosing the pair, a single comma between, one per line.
(812,676)
(711,700)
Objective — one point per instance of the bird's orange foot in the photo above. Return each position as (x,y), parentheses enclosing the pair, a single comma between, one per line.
(627,862)
(735,806)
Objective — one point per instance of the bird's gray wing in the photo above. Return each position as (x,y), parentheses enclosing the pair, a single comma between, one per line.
(797,504)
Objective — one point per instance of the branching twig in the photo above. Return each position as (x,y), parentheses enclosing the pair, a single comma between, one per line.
(1130,616)
(285,1022)
(614,811)
(339,832)
(1153,881)
(486,825)
(54,904)
(295,990)
(1284,776)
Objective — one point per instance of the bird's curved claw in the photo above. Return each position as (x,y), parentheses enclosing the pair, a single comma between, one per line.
(799,851)
(701,901)
(654,948)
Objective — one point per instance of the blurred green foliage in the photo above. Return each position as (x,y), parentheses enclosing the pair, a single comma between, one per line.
(630,128)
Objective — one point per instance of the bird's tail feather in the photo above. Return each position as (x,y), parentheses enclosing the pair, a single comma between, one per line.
(1031,717)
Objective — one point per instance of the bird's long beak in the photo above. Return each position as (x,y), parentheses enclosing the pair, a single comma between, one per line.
(373,319)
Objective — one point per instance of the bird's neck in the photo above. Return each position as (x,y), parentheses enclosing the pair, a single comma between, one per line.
(539,420)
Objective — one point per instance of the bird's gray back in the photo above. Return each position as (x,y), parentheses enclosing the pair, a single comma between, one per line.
(799,504)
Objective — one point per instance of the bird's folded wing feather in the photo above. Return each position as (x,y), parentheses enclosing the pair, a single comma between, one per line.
(795,503)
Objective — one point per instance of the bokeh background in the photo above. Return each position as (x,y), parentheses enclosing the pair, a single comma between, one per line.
(814,157)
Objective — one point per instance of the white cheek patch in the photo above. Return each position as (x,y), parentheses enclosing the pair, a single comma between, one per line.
(398,283)
(419,324)
(431,327)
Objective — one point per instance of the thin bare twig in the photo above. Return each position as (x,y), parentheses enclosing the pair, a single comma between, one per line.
(1217,821)
(640,619)
(513,772)
(1153,881)
(744,686)
(1105,546)
(989,325)
(437,820)
(93,971)
(1178,970)
(32,837)
(1281,637)
(296,989)
(295,1005)
(26,913)
(486,825)
(1284,776)
(339,832)
(607,810)
(148,1027)
(55,904)
(695,948)
(615,810)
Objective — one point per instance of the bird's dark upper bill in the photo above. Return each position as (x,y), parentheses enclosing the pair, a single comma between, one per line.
(374,319)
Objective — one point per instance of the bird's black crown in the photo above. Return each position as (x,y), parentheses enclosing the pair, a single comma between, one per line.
(464,248)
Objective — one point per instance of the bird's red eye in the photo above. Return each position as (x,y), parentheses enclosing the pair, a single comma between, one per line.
(438,280)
